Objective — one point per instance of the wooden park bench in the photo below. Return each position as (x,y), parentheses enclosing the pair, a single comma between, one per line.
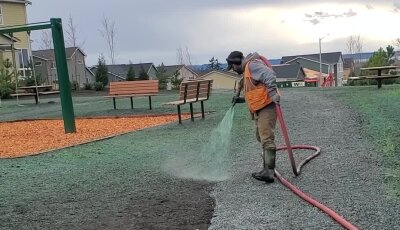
(133,89)
(191,92)
(35,91)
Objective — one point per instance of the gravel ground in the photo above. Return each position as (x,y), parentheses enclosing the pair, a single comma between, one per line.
(347,176)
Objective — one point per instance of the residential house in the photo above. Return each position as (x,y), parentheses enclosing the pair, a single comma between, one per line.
(13,12)
(222,79)
(45,66)
(119,72)
(348,68)
(331,63)
(183,71)
(289,72)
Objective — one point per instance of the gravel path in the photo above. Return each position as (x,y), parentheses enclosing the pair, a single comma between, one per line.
(346,177)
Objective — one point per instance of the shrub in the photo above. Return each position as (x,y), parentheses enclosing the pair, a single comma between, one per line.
(6,89)
(74,85)
(87,86)
(98,86)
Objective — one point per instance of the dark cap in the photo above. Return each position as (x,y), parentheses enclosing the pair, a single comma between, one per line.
(234,57)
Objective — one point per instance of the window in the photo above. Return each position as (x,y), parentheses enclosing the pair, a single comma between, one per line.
(1,15)
(53,65)
(23,59)
(38,63)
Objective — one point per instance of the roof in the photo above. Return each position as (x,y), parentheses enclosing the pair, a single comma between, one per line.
(17,1)
(122,69)
(329,58)
(288,70)
(226,73)
(49,53)
(7,39)
(94,71)
(365,55)
(171,69)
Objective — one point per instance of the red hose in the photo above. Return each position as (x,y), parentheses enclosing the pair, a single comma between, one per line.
(297,169)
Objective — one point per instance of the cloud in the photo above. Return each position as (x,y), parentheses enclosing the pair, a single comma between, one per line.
(369,7)
(350,13)
(314,21)
(318,16)
(396,7)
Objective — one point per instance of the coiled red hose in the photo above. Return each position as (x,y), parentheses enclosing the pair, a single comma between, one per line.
(297,169)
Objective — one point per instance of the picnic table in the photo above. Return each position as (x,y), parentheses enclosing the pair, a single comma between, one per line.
(36,91)
(379,78)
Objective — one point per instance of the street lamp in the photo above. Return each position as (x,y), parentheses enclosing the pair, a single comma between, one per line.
(320,55)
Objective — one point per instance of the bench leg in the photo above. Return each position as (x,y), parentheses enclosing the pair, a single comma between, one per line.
(131,103)
(150,103)
(115,106)
(179,114)
(191,112)
(379,83)
(202,109)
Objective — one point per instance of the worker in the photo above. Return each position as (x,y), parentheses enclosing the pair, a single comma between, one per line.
(261,96)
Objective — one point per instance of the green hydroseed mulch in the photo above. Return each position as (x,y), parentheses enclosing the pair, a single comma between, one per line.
(380,113)
(93,181)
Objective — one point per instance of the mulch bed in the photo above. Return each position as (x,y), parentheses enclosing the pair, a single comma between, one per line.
(31,137)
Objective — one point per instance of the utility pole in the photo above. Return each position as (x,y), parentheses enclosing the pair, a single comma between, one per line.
(320,55)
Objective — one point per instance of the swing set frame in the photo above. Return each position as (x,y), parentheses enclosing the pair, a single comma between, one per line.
(55,24)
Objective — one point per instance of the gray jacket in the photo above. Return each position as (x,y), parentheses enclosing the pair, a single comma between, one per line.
(261,73)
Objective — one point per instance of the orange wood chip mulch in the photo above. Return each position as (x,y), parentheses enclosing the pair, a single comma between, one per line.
(23,138)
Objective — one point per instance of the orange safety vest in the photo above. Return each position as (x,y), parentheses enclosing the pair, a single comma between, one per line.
(256,95)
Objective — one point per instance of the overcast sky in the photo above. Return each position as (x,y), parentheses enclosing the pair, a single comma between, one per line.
(153,30)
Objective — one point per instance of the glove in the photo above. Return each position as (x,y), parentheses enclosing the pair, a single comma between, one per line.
(276,99)
(237,99)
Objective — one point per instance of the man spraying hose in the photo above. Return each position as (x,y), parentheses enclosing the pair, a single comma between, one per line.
(260,92)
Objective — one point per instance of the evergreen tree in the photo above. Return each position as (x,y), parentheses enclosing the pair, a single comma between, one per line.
(143,75)
(212,63)
(130,76)
(176,81)
(102,71)
(162,76)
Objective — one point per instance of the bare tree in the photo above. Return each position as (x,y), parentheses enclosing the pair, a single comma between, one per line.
(72,34)
(73,41)
(179,56)
(358,44)
(183,56)
(109,32)
(350,45)
(46,40)
(396,43)
(188,56)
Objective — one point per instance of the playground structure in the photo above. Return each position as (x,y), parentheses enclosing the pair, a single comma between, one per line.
(55,24)
(328,81)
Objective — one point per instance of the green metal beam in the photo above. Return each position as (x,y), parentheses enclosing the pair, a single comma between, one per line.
(25,27)
(63,77)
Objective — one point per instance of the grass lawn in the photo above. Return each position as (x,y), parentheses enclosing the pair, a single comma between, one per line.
(110,180)
(380,113)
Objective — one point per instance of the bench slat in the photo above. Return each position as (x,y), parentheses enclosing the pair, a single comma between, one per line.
(131,95)
(22,94)
(49,92)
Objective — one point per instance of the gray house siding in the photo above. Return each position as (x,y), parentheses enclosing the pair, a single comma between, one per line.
(76,68)
(152,73)
(75,62)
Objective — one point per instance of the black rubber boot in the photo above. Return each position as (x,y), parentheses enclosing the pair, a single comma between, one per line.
(267,174)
